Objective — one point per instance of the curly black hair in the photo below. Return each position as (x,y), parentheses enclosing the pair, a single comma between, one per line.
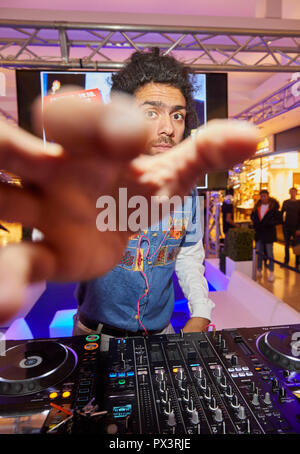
(150,66)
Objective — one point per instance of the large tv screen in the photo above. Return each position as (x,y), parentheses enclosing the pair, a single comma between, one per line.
(210,95)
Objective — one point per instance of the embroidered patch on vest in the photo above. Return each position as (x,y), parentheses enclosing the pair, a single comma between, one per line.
(161,256)
(128,259)
(139,262)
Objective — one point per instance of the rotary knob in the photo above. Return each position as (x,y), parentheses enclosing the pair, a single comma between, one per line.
(267,399)
(218,371)
(218,415)
(180,375)
(171,419)
(255,400)
(234,360)
(229,392)
(195,417)
(161,375)
(186,395)
(207,394)
(191,405)
(241,413)
(203,383)
(199,373)
(165,397)
(275,384)
(213,404)
(282,393)
(168,408)
(235,402)
(223,381)
(163,386)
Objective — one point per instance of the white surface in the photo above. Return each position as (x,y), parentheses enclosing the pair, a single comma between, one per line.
(62,323)
(18,330)
(244,267)
(32,294)
(214,275)
(246,303)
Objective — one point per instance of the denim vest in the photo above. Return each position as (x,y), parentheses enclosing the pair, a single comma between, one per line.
(139,292)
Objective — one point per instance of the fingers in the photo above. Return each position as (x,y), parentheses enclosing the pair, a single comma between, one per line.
(19,205)
(21,152)
(217,146)
(21,265)
(115,129)
(223,143)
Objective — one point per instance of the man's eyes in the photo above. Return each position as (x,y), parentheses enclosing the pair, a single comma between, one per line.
(178,116)
(152,115)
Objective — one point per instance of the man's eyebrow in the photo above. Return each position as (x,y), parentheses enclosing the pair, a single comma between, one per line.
(161,104)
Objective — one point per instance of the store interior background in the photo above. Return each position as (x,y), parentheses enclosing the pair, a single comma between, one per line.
(273,170)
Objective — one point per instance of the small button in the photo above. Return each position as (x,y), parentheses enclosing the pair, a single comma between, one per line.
(85,382)
(154,234)
(112,375)
(91,346)
(242,374)
(231,369)
(53,395)
(136,316)
(245,368)
(82,398)
(238,369)
(249,374)
(234,375)
(92,337)
(83,390)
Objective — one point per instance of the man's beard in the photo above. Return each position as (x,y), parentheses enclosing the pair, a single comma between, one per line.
(164,140)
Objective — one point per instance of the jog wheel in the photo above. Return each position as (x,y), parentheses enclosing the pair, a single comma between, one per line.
(281,347)
(34,366)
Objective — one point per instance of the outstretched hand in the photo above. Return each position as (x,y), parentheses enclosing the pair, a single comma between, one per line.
(97,149)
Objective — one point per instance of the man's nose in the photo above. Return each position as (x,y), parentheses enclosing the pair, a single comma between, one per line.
(166,125)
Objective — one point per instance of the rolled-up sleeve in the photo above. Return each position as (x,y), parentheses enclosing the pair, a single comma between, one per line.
(190,272)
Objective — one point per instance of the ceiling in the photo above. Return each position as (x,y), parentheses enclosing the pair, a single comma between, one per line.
(244,89)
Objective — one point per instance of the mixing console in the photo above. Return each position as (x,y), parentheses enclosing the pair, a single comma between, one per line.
(228,382)
(238,381)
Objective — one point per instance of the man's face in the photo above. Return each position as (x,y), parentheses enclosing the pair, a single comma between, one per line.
(164,107)
(293,193)
(264,198)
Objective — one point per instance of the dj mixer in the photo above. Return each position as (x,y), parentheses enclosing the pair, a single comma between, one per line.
(236,381)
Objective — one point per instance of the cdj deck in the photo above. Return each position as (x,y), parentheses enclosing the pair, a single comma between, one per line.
(237,381)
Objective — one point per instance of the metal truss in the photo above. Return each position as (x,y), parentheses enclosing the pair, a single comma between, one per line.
(36,44)
(212,224)
(279,102)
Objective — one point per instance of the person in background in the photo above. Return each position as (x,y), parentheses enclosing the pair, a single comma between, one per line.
(227,211)
(291,222)
(265,216)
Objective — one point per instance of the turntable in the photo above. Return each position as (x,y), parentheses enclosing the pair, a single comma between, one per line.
(42,381)
(35,366)
(281,347)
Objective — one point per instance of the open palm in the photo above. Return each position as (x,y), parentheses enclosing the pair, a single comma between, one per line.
(97,150)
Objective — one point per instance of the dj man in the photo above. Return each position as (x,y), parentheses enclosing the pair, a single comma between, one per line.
(93,150)
(137,296)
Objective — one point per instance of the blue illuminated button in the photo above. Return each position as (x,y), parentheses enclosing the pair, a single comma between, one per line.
(92,337)
(121,374)
(130,374)
(112,375)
